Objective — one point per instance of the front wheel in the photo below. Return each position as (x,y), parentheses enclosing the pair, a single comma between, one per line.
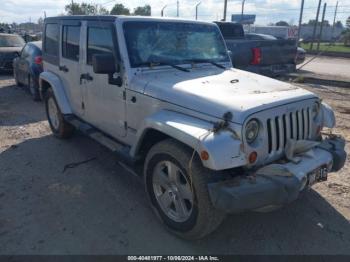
(179,195)
(60,128)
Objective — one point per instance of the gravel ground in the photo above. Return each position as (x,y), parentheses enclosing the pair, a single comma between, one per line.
(101,208)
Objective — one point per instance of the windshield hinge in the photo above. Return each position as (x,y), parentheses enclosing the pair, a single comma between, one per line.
(124,95)
(125,125)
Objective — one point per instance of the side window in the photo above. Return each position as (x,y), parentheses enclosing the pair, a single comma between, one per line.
(51,39)
(100,41)
(70,42)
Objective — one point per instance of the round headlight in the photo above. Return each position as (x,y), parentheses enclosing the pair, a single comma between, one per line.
(251,130)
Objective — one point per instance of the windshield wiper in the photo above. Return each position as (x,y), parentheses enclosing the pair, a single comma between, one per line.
(152,64)
(206,61)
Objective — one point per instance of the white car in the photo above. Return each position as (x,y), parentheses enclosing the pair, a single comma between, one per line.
(163,95)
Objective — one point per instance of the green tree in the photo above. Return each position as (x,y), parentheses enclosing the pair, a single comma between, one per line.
(282,23)
(74,9)
(102,11)
(120,9)
(143,10)
(85,9)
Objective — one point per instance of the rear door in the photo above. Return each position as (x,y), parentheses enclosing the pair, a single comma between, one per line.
(70,64)
(21,67)
(104,102)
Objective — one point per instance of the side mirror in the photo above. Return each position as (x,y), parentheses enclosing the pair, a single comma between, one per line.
(103,64)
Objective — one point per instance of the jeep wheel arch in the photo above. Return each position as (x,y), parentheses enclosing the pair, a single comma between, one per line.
(223,149)
(50,80)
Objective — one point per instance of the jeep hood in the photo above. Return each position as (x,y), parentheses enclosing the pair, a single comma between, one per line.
(216,91)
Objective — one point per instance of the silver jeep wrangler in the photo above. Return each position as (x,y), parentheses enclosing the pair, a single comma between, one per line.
(162,94)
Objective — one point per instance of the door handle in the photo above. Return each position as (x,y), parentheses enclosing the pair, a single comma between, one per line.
(86,76)
(63,68)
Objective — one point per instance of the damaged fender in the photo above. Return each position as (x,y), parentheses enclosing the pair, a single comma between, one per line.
(328,116)
(58,89)
(223,147)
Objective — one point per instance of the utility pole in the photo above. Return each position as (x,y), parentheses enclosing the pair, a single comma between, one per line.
(44,14)
(225,8)
(243,1)
(321,28)
(162,11)
(315,25)
(335,15)
(300,21)
(177,8)
(197,9)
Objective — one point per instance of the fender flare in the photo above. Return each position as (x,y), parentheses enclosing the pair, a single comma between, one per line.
(58,89)
(225,151)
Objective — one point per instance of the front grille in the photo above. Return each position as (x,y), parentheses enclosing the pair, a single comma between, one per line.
(295,125)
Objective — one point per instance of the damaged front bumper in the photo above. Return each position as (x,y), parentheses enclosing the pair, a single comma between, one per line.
(277,184)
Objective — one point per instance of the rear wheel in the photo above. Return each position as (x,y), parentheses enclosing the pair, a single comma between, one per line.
(33,88)
(178,194)
(60,128)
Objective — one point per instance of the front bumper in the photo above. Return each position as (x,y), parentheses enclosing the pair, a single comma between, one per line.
(6,63)
(263,192)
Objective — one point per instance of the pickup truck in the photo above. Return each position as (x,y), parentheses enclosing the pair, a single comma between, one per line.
(270,57)
(163,96)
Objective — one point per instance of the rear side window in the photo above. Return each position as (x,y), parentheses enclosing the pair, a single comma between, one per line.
(70,42)
(230,30)
(51,39)
(100,41)
(25,51)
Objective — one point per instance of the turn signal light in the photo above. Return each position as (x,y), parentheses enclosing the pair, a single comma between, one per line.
(253,157)
(204,155)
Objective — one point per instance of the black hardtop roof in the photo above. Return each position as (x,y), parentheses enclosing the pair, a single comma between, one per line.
(56,19)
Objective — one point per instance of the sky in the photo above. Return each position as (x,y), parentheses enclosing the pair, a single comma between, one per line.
(267,11)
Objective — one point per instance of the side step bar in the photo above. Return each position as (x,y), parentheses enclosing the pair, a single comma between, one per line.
(120,149)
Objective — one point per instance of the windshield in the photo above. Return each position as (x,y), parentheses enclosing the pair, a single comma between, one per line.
(173,43)
(11,41)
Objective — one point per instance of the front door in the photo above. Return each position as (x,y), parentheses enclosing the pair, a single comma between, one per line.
(70,64)
(104,102)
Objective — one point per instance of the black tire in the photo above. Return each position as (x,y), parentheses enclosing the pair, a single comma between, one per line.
(204,218)
(33,88)
(61,128)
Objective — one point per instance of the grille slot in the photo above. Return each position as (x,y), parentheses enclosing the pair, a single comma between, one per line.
(295,125)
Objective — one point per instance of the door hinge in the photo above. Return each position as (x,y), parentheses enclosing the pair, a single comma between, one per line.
(125,125)
(124,95)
